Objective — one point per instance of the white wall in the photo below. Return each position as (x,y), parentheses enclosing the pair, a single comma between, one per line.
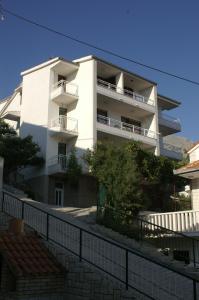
(194,155)
(195,193)
(85,110)
(34,108)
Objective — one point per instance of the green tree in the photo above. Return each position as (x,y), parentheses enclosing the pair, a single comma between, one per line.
(133,178)
(17,152)
(116,169)
(74,169)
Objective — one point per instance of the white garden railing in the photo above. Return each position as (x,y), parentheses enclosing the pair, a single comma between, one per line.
(181,221)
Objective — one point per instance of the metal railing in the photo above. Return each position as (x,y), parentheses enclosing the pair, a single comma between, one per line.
(125,92)
(58,160)
(65,123)
(149,279)
(160,237)
(67,87)
(170,147)
(126,126)
(183,221)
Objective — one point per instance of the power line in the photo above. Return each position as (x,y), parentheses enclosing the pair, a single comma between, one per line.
(98,48)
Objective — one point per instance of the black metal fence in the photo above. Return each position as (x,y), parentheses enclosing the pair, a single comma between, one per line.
(147,278)
(184,247)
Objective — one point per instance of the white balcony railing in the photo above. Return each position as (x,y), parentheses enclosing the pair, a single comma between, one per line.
(126,92)
(64,123)
(126,126)
(66,87)
(60,160)
(181,221)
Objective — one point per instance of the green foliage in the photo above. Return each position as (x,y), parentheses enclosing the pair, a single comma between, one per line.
(17,152)
(134,179)
(74,169)
(115,167)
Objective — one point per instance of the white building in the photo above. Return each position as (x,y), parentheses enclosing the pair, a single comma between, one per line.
(64,104)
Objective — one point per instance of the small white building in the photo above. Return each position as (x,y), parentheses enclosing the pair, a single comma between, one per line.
(63,104)
(191,171)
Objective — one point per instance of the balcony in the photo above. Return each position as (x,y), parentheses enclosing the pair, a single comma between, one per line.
(168,124)
(12,115)
(64,127)
(64,92)
(171,151)
(112,91)
(57,164)
(125,130)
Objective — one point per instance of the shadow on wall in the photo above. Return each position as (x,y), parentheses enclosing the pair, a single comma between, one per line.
(53,187)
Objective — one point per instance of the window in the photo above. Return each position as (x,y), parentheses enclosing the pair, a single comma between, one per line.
(61,149)
(62,111)
(61,77)
(61,80)
(102,116)
(127,125)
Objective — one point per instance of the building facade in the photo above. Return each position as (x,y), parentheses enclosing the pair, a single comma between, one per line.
(66,104)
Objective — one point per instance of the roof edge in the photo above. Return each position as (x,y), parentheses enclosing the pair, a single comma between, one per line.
(89,57)
(45,64)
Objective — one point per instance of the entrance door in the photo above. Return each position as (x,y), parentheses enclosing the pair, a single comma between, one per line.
(59,194)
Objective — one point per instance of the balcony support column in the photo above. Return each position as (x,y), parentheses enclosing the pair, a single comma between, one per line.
(120,83)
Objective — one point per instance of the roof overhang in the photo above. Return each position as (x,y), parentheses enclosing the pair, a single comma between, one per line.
(192,173)
(47,63)
(167,103)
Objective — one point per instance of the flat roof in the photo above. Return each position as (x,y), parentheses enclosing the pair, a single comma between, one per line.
(85,58)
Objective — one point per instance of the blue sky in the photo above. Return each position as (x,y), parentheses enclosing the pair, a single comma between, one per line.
(157,32)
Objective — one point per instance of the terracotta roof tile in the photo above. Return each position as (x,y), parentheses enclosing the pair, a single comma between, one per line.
(193,165)
(27,255)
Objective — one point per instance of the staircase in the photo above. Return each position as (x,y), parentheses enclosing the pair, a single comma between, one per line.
(142,276)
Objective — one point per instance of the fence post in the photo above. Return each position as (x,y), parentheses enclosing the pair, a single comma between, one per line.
(22,210)
(80,245)
(141,230)
(2,203)
(194,253)
(47,226)
(194,290)
(127,269)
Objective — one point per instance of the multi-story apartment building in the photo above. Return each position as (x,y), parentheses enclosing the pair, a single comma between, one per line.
(64,104)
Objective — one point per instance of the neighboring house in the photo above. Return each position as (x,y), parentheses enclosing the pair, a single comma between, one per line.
(27,269)
(64,104)
(191,171)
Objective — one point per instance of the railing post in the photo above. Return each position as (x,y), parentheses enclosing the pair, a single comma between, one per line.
(22,210)
(2,203)
(127,269)
(141,230)
(80,245)
(194,253)
(47,226)
(194,290)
